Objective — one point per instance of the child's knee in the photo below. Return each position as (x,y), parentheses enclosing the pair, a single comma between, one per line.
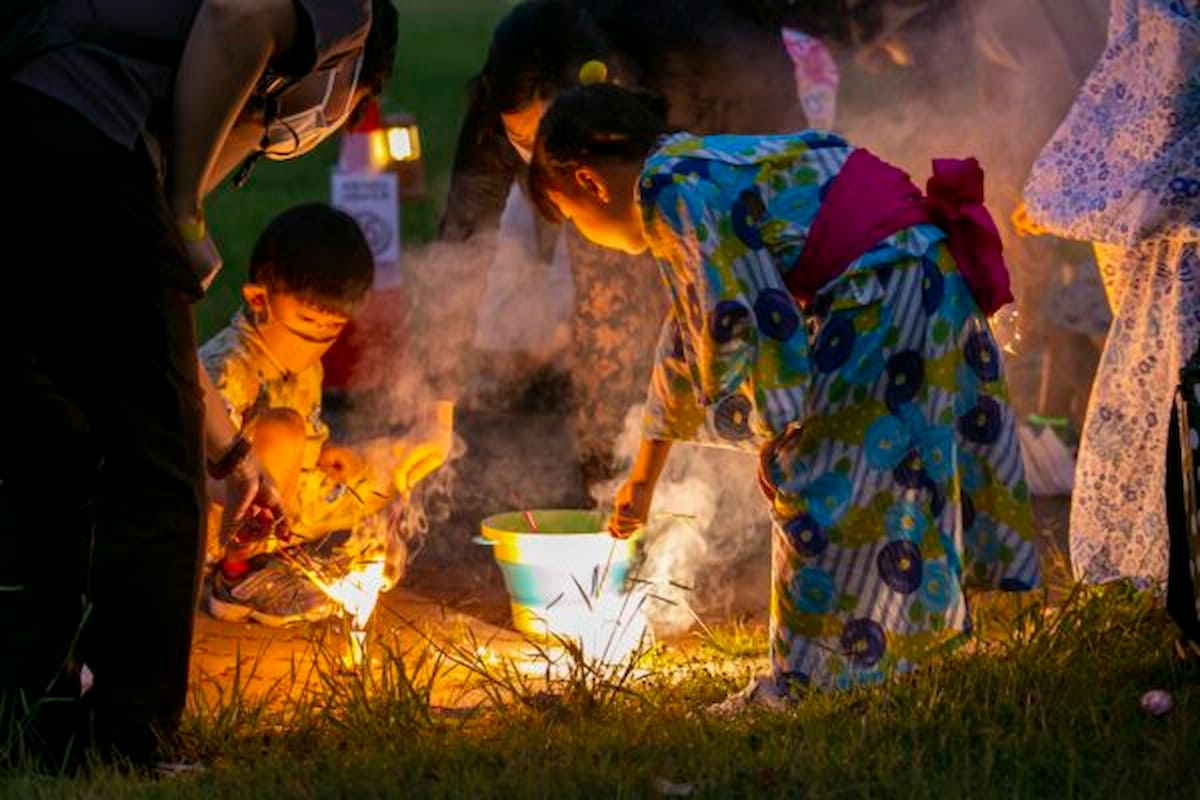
(278,433)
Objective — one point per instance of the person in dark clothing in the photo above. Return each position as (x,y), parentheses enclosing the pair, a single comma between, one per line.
(113,136)
(720,67)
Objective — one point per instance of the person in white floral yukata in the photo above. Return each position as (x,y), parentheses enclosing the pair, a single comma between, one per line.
(843,341)
(1123,172)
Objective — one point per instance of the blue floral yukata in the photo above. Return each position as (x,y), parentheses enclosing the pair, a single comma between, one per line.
(879,412)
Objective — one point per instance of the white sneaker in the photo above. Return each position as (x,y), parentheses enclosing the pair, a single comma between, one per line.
(274,595)
(760,692)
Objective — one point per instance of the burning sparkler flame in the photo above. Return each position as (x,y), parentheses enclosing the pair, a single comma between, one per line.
(358,592)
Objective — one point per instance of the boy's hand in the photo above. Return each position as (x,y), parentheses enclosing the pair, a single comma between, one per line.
(632,509)
(1025,224)
(247,486)
(420,460)
(340,464)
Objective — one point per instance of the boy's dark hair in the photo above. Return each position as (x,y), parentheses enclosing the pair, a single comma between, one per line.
(536,52)
(317,253)
(590,125)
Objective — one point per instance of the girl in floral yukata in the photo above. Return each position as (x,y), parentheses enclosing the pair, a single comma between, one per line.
(827,316)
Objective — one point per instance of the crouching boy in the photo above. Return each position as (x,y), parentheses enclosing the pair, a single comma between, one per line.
(310,271)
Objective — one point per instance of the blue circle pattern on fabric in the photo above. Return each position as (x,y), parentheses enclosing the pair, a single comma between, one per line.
(747,214)
(984,423)
(660,190)
(900,566)
(906,376)
(983,539)
(776,314)
(983,356)
(967,384)
(958,302)
(910,472)
(724,321)
(937,451)
(887,443)
(813,587)
(828,498)
(835,344)
(863,642)
(937,587)
(933,286)
(806,535)
(732,418)
(970,471)
(905,521)
(698,167)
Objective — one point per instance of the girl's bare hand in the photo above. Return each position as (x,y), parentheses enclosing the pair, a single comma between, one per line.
(632,509)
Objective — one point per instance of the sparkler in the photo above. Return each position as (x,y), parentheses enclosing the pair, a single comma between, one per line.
(530,520)
(356,593)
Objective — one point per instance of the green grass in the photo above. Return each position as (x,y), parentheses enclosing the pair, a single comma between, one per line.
(441,45)
(1049,709)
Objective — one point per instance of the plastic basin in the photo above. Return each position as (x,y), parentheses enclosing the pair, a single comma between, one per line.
(554,574)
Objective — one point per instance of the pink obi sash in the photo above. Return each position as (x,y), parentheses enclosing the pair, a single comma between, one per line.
(869,200)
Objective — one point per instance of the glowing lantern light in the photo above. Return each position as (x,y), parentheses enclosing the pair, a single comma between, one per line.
(404,142)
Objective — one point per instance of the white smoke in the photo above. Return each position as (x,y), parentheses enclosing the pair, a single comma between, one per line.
(708,529)
(989,78)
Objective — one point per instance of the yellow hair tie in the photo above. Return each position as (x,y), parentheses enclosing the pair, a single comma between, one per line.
(193,230)
(593,72)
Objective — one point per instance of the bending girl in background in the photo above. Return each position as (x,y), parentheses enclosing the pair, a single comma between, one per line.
(722,64)
(843,342)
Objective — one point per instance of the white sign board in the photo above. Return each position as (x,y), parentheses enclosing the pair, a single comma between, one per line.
(373,200)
